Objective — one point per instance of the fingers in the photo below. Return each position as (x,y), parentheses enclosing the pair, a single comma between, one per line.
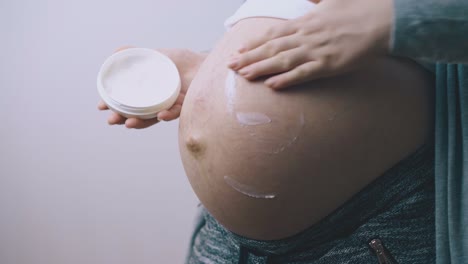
(267,50)
(282,62)
(140,123)
(278,31)
(102,105)
(173,112)
(115,119)
(170,114)
(302,73)
(124,48)
(165,115)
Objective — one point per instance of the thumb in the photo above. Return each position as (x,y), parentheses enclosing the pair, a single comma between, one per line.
(315,1)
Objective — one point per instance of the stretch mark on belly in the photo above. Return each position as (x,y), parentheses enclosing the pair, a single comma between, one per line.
(294,132)
(230,89)
(247,190)
(252,118)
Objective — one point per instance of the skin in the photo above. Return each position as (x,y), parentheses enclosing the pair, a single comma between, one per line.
(356,126)
(188,63)
(336,37)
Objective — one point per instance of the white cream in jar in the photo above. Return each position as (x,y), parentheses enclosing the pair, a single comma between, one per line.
(138,82)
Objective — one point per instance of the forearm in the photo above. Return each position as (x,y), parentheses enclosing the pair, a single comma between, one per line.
(431,30)
(197,60)
(187,61)
(201,58)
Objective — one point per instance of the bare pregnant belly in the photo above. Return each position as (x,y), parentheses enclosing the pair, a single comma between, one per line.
(269,164)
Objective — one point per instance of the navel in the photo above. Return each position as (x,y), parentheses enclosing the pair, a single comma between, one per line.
(195,146)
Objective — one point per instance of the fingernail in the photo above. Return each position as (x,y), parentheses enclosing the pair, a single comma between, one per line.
(242,49)
(127,124)
(233,63)
(244,72)
(270,83)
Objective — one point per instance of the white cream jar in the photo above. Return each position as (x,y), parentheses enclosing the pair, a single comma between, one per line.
(138,82)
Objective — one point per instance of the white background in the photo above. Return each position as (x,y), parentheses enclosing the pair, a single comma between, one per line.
(74,190)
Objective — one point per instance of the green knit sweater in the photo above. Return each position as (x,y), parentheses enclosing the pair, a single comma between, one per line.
(436,31)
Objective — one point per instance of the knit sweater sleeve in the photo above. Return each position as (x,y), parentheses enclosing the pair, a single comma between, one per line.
(431,30)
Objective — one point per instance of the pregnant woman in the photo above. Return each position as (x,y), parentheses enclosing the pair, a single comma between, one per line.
(337,170)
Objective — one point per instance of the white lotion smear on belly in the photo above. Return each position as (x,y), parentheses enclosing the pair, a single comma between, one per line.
(246,189)
(252,118)
(270,142)
(230,89)
(251,121)
(137,81)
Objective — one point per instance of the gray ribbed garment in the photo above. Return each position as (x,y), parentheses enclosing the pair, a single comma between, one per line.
(397,208)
